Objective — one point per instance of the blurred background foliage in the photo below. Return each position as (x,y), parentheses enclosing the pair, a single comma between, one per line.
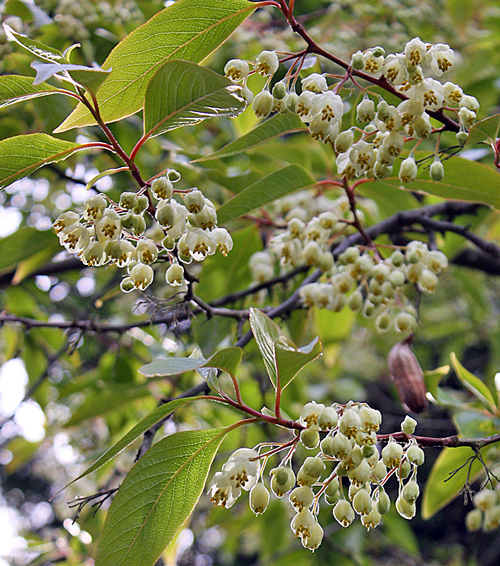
(80,390)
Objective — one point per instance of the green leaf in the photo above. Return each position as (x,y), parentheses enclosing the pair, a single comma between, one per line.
(225,360)
(473,383)
(36,48)
(14,88)
(184,94)
(485,131)
(188,29)
(433,377)
(21,155)
(438,492)
(140,428)
(88,77)
(265,332)
(278,125)
(156,498)
(463,180)
(271,187)
(290,359)
(24,244)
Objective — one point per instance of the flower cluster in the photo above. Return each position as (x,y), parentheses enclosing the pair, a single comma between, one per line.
(311,222)
(486,512)
(348,472)
(372,149)
(108,232)
(376,286)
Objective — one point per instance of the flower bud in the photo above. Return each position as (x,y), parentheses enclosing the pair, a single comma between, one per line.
(291,101)
(404,470)
(283,479)
(415,455)
(344,141)
(474,520)
(485,499)
(405,509)
(408,377)
(142,204)
(384,502)
(279,90)
(259,498)
(310,437)
(127,285)
(411,491)
(437,171)
(358,61)
(408,425)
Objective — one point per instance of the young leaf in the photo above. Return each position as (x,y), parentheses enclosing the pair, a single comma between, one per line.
(157,496)
(21,155)
(463,180)
(484,131)
(473,383)
(225,360)
(184,94)
(271,187)
(36,48)
(265,332)
(290,359)
(433,377)
(14,88)
(278,125)
(187,29)
(439,490)
(88,77)
(140,428)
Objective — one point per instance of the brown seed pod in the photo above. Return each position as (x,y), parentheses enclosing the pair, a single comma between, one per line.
(408,377)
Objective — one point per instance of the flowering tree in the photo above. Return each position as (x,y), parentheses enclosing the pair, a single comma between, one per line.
(244,286)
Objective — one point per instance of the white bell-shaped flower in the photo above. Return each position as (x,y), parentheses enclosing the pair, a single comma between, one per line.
(315,83)
(74,238)
(200,243)
(415,51)
(440,57)
(241,469)
(222,491)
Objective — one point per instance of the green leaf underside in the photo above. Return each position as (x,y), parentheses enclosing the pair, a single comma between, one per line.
(276,126)
(157,496)
(188,29)
(473,383)
(183,94)
(14,88)
(23,245)
(265,332)
(290,359)
(271,187)
(225,360)
(437,492)
(21,155)
(485,131)
(140,428)
(463,180)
